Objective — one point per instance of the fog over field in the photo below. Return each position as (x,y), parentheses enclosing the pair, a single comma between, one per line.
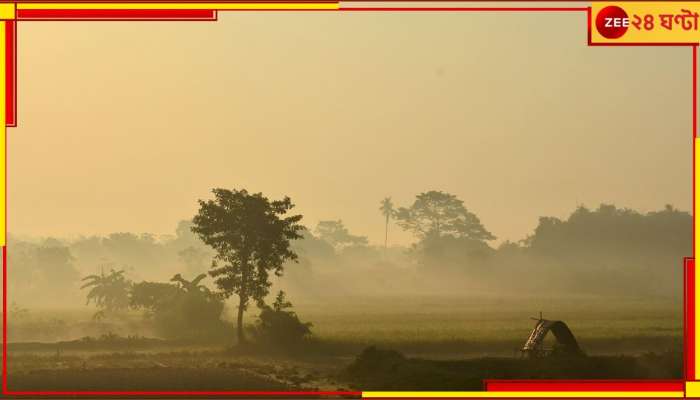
(400,194)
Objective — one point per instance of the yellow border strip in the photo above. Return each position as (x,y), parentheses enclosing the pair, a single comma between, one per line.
(408,395)
(692,389)
(7,11)
(178,6)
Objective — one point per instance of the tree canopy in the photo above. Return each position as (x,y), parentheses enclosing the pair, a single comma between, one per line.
(252,237)
(109,292)
(436,214)
(181,310)
(337,235)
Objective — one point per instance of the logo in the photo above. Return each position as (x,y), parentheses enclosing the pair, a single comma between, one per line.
(612,22)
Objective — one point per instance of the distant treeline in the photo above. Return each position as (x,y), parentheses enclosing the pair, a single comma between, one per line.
(607,251)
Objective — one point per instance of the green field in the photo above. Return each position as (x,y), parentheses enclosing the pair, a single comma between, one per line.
(481,326)
(456,331)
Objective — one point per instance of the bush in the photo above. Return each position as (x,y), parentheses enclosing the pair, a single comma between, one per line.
(373,360)
(185,310)
(280,327)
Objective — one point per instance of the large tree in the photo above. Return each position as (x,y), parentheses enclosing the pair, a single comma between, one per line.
(337,235)
(436,214)
(251,235)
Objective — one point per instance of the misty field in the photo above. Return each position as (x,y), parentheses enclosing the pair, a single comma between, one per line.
(615,334)
(424,325)
(473,326)
(327,310)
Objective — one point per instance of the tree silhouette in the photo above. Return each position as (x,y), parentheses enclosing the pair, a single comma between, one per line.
(387,209)
(252,238)
(190,286)
(279,325)
(436,213)
(109,292)
(337,235)
(183,309)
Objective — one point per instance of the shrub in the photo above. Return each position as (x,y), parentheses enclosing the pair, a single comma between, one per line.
(185,310)
(279,326)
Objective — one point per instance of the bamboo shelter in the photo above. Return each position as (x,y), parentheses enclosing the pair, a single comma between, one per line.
(566,343)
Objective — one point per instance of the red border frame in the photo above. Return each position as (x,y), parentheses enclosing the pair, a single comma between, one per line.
(115,15)
(211,15)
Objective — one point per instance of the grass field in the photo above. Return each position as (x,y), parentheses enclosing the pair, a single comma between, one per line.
(459,334)
(498,326)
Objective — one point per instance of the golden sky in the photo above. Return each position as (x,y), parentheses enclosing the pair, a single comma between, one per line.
(123,126)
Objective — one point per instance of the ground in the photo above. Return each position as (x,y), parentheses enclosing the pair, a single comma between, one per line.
(442,343)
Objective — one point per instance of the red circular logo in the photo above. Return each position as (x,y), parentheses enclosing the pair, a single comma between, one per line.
(612,22)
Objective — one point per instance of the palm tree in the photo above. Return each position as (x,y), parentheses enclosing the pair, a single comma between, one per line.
(190,286)
(109,292)
(387,209)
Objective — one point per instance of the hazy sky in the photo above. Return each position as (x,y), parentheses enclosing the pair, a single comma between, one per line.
(123,126)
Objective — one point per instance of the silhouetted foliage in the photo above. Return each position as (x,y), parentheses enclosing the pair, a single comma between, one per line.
(337,235)
(152,296)
(43,270)
(638,253)
(459,253)
(311,246)
(279,326)
(388,211)
(181,310)
(109,292)
(437,213)
(251,237)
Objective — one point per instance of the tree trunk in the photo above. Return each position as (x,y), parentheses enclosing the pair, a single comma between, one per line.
(239,321)
(242,302)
